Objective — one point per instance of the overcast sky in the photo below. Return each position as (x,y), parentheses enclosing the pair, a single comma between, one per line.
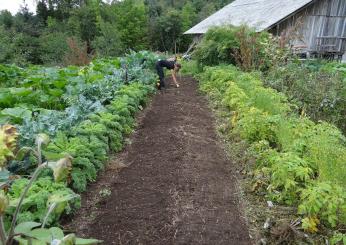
(13,5)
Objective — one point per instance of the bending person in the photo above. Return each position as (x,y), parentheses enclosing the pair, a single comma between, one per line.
(170,65)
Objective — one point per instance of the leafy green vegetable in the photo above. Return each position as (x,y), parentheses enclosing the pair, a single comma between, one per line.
(35,205)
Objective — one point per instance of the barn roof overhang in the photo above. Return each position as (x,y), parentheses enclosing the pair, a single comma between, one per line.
(258,14)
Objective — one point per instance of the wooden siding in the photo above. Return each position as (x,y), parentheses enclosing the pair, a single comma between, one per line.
(319,28)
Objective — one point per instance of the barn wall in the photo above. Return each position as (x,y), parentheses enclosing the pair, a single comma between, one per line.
(318,28)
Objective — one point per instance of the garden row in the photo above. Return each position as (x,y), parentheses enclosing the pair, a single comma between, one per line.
(298,162)
(97,110)
(41,99)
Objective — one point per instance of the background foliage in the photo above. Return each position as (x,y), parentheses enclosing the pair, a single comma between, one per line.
(99,28)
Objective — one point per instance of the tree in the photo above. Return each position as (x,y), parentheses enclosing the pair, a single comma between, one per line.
(26,22)
(108,43)
(6,19)
(132,24)
(6,47)
(62,9)
(170,25)
(42,11)
(83,24)
(207,10)
(26,49)
(87,23)
(53,47)
(188,18)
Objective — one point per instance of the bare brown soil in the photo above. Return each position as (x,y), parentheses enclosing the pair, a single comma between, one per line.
(176,185)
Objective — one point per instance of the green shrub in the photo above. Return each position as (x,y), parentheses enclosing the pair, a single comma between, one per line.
(326,147)
(324,200)
(338,238)
(54,47)
(319,93)
(288,175)
(241,46)
(215,80)
(256,125)
(189,67)
(108,44)
(216,47)
(290,134)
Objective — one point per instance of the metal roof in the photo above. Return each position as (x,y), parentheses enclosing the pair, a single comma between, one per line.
(259,14)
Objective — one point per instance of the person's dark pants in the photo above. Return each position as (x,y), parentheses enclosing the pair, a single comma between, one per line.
(161,74)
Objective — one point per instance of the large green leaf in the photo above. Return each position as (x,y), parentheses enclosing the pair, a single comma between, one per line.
(39,236)
(56,92)
(42,234)
(57,233)
(23,241)
(26,227)
(60,84)
(16,114)
(20,91)
(6,98)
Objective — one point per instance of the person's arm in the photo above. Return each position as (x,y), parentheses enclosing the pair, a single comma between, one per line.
(175,78)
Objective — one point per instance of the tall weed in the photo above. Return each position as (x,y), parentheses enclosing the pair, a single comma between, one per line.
(77,53)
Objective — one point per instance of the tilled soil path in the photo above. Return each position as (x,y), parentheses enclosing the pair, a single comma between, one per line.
(176,187)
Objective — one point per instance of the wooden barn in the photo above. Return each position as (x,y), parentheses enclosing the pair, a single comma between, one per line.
(314,27)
